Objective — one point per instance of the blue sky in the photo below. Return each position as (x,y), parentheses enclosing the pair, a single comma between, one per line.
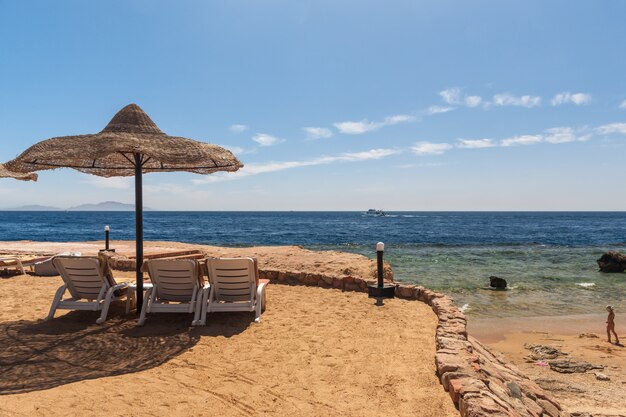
(331,105)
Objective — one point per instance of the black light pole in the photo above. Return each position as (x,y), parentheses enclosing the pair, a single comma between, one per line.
(380,249)
(381,290)
(139,229)
(106,237)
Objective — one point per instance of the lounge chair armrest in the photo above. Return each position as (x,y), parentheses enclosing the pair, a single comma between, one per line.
(120,286)
(259,290)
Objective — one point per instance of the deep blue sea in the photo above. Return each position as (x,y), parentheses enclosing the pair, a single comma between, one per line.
(548,258)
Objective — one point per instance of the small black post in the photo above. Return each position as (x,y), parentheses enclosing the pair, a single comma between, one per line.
(139,230)
(381,290)
(106,238)
(380,249)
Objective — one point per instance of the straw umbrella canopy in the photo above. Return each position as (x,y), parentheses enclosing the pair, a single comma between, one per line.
(130,145)
(5,173)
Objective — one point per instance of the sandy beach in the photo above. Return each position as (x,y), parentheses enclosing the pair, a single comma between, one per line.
(316,352)
(582,338)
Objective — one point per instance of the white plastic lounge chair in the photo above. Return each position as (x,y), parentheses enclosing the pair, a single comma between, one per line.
(176,288)
(12,263)
(90,285)
(234,287)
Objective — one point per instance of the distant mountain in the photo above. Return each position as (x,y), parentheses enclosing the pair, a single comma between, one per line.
(106,206)
(34,207)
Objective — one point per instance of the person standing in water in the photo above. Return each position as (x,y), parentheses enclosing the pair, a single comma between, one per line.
(610,325)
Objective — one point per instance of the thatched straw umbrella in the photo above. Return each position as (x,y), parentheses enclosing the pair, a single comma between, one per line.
(131,144)
(5,173)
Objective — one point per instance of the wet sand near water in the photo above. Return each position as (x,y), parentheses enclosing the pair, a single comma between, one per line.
(577,392)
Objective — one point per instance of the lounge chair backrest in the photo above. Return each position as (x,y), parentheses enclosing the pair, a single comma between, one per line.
(174,279)
(82,275)
(232,279)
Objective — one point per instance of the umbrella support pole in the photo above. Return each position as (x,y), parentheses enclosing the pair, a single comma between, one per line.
(139,229)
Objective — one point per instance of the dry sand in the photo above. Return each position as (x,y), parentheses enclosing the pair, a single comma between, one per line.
(316,352)
(578,392)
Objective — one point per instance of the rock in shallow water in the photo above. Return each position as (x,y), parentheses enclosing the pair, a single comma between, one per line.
(497,282)
(612,262)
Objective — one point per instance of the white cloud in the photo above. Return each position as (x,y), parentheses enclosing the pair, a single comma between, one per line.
(398,118)
(451,95)
(439,109)
(612,128)
(506,99)
(264,139)
(238,128)
(429,148)
(356,128)
(623,105)
(522,140)
(567,97)
(117,183)
(476,143)
(564,135)
(262,168)
(364,126)
(317,132)
(473,101)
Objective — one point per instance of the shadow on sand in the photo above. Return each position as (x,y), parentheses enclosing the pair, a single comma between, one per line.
(38,355)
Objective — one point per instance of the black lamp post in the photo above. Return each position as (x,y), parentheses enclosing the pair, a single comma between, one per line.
(381,290)
(106,240)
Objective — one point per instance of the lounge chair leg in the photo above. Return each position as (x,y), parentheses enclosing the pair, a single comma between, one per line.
(131,302)
(105,307)
(144,307)
(198,308)
(55,301)
(259,303)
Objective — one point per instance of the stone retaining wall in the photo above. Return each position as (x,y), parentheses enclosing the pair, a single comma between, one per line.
(479,383)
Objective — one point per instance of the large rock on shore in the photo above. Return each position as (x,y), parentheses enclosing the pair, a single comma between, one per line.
(612,262)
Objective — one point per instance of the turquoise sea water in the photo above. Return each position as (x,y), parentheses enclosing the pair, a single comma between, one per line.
(549,259)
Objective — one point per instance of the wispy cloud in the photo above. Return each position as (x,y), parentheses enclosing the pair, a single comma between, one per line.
(476,143)
(506,99)
(430,148)
(317,132)
(439,109)
(612,128)
(521,140)
(574,98)
(622,105)
(262,168)
(238,128)
(364,126)
(451,95)
(473,101)
(117,183)
(565,135)
(263,139)
(356,128)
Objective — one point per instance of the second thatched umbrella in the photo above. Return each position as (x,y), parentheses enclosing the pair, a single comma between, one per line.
(131,144)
